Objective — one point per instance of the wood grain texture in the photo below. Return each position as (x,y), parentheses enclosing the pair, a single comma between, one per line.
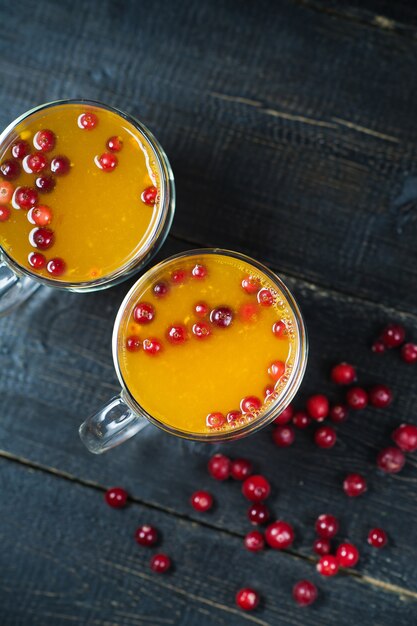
(74,560)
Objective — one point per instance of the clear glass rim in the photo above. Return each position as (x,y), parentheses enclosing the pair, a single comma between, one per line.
(161,226)
(285,397)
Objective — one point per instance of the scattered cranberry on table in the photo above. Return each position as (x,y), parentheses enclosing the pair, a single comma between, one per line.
(254,541)
(256,488)
(338,413)
(304,593)
(409,352)
(279,535)
(301,420)
(325,437)
(202,501)
(326,526)
(247,599)
(343,374)
(285,416)
(347,554)
(116,497)
(240,469)
(258,513)
(377,537)
(328,565)
(380,396)
(283,436)
(146,535)
(219,467)
(354,485)
(357,398)
(322,546)
(378,347)
(160,563)
(405,436)
(391,460)
(393,335)
(318,407)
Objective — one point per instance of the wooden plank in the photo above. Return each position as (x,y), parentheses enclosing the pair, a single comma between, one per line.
(56,353)
(71,559)
(293,125)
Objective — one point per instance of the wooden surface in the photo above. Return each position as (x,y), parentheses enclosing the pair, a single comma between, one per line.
(291,130)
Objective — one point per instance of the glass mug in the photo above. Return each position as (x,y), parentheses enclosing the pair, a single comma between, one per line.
(168,338)
(134,149)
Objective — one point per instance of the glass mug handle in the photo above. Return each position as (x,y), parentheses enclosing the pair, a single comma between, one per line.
(14,289)
(113,424)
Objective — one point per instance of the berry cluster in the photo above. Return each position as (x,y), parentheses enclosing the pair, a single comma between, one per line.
(393,336)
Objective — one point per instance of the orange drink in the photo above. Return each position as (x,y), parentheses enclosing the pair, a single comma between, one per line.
(209,344)
(85,192)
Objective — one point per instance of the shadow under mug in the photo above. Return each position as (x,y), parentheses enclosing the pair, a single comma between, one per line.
(122,417)
(17,282)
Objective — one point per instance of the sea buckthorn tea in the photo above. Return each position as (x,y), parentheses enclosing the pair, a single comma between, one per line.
(80,192)
(207,343)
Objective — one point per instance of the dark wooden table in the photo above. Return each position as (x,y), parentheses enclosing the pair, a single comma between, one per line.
(291,128)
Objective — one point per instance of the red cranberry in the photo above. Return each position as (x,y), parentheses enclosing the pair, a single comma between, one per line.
(301,420)
(35,163)
(114,144)
(347,554)
(222,316)
(107,162)
(254,541)
(25,197)
(256,488)
(380,396)
(248,312)
(409,352)
(133,343)
(6,192)
(276,370)
(56,266)
(42,238)
(10,169)
(143,313)
(378,347)
(149,195)
(20,149)
(36,260)
(146,535)
(304,593)
(233,416)
(241,469)
(160,563)
(391,460)
(219,467)
(215,420)
(318,407)
(202,501)
(40,215)
(279,329)
(250,404)
(199,271)
(322,546)
(45,184)
(338,413)
(279,535)
(283,436)
(265,297)
(285,416)
(60,165)
(44,140)
(247,599)
(357,398)
(377,537)
(405,436)
(354,485)
(160,289)
(251,284)
(325,437)
(327,526)
(116,497)
(201,330)
(258,513)
(4,213)
(152,346)
(201,309)
(393,335)
(177,334)
(87,121)
(343,374)
(328,565)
